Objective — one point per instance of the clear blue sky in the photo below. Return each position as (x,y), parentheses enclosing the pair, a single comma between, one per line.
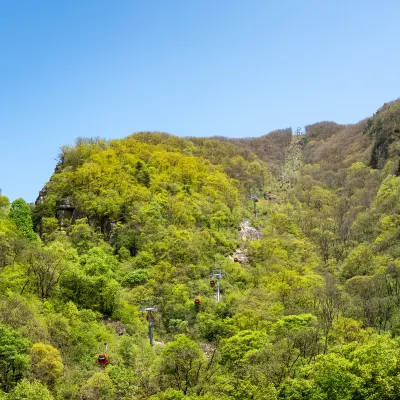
(191,67)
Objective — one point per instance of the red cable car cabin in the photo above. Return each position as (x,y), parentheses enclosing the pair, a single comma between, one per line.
(197,301)
(103,359)
(212,282)
(239,228)
(236,259)
(254,212)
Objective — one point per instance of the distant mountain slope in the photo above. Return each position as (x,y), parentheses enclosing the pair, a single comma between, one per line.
(300,236)
(372,141)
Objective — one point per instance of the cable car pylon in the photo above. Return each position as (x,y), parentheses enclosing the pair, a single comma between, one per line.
(215,282)
(255,201)
(150,320)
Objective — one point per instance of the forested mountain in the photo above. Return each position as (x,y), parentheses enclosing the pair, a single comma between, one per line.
(303,228)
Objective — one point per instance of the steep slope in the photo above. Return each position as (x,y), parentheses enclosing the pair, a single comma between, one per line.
(309,309)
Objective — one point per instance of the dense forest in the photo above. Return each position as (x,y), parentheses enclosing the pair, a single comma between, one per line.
(299,232)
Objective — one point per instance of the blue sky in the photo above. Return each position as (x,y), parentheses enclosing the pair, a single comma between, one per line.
(192,68)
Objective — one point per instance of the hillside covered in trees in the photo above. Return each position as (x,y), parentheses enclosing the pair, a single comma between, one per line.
(304,228)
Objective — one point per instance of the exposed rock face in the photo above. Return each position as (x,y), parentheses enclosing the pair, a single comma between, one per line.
(118,326)
(240,255)
(108,227)
(208,349)
(65,211)
(42,196)
(247,232)
(77,215)
(43,193)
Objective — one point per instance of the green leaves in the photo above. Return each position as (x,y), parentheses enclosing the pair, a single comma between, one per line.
(99,387)
(21,215)
(30,390)
(235,349)
(159,214)
(47,365)
(181,363)
(14,359)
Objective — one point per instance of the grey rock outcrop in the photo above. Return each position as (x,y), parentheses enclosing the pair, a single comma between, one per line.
(247,232)
(65,211)
(42,196)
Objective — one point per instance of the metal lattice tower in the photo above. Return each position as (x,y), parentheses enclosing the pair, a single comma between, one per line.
(150,320)
(254,198)
(218,276)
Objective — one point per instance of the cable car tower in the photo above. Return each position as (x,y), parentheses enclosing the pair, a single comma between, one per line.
(150,319)
(215,282)
(255,201)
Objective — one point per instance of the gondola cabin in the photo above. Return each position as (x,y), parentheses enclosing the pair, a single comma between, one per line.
(254,212)
(239,228)
(197,301)
(236,259)
(212,282)
(103,359)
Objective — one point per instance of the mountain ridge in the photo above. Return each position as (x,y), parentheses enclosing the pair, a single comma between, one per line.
(309,307)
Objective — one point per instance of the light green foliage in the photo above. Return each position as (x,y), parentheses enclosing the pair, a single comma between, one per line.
(181,363)
(46,265)
(99,387)
(82,236)
(294,341)
(137,277)
(49,227)
(47,365)
(79,334)
(4,203)
(282,224)
(123,254)
(376,363)
(388,238)
(297,389)
(14,359)
(333,378)
(126,381)
(142,174)
(22,313)
(21,215)
(367,371)
(169,394)
(235,349)
(358,262)
(298,315)
(213,328)
(12,243)
(105,179)
(347,330)
(93,284)
(365,226)
(387,199)
(34,390)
